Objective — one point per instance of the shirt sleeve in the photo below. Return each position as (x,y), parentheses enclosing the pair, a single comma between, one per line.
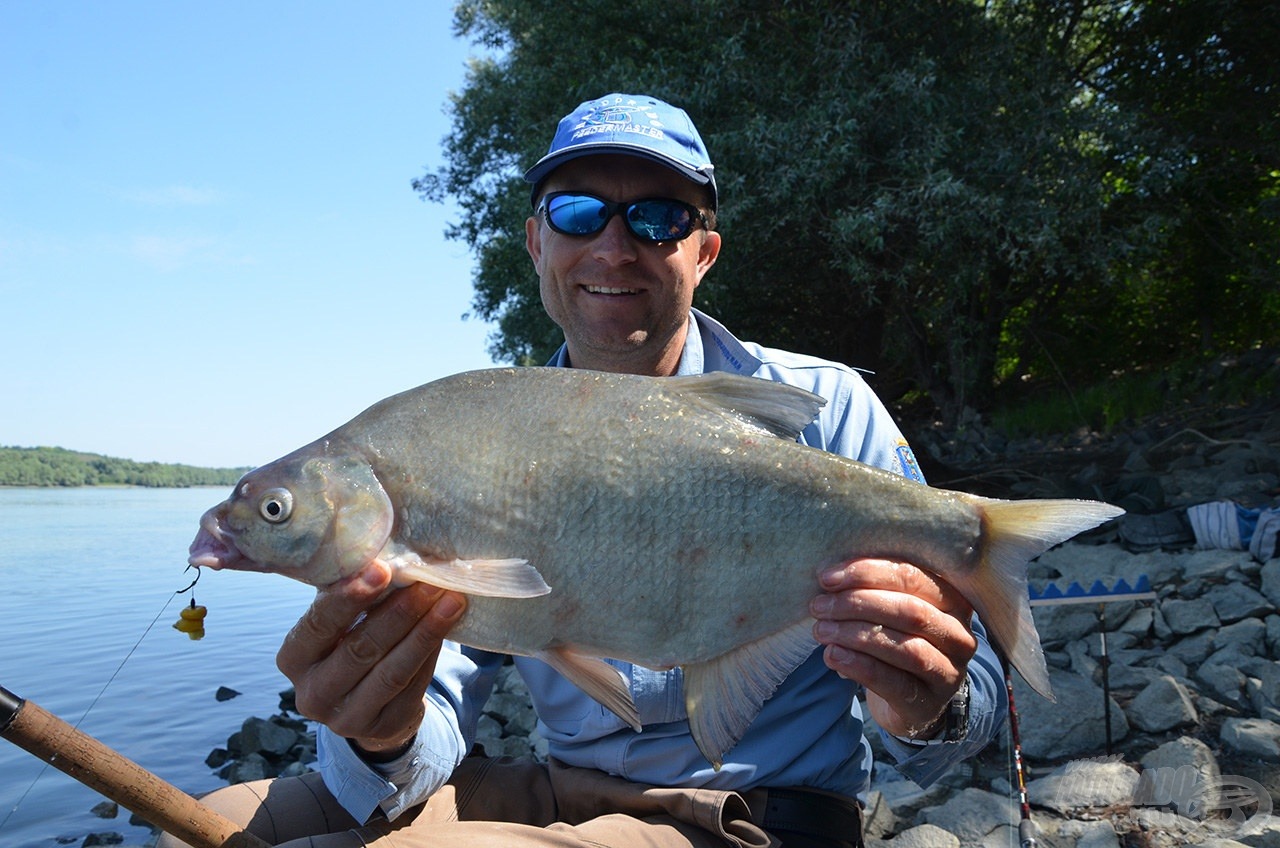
(463,679)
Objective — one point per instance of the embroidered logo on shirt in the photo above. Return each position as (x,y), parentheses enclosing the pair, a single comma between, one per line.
(907,459)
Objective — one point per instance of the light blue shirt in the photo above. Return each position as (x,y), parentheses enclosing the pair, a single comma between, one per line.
(810,733)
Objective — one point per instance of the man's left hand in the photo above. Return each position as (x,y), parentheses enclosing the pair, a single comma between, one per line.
(901,632)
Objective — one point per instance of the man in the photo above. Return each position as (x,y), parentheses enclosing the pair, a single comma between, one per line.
(621,236)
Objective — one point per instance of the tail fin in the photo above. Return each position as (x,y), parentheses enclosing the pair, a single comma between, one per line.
(1016,532)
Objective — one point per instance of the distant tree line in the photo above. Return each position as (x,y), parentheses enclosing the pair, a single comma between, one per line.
(62,467)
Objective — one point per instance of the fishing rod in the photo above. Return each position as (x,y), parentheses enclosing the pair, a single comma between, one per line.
(1027,829)
(110,773)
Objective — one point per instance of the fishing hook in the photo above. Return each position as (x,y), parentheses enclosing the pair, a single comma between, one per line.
(193,582)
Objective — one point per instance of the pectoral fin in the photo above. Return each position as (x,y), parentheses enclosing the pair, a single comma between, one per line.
(598,679)
(723,696)
(494,578)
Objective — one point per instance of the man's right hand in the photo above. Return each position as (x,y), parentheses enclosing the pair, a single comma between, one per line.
(366,682)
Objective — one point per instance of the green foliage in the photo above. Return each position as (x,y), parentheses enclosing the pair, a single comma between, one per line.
(1216,383)
(61,467)
(968,196)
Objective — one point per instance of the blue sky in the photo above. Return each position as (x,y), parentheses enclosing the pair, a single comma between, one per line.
(210,252)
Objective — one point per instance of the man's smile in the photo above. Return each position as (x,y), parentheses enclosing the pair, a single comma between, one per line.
(609,290)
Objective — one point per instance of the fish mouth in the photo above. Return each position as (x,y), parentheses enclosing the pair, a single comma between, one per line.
(214,547)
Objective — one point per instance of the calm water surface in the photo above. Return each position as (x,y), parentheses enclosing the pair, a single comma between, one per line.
(87,582)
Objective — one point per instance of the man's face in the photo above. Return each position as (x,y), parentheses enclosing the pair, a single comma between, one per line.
(623,304)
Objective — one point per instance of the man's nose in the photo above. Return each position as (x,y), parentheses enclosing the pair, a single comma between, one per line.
(614,244)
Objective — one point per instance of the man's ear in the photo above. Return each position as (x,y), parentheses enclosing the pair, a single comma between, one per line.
(708,253)
(533,239)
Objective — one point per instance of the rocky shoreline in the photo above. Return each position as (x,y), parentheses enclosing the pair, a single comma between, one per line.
(1186,679)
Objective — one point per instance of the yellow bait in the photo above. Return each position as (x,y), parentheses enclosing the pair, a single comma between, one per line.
(191,621)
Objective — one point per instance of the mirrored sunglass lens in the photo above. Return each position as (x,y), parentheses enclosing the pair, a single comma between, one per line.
(660,220)
(577,214)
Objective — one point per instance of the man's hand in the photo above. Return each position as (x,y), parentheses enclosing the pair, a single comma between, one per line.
(365,677)
(902,633)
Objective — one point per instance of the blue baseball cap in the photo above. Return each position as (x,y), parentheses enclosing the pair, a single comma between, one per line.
(631,124)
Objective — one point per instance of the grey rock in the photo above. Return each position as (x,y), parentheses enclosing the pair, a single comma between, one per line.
(489,735)
(1252,737)
(1214,564)
(1084,785)
(1189,616)
(1260,832)
(1167,829)
(103,838)
(1235,601)
(515,746)
(267,736)
(1089,834)
(294,769)
(1162,705)
(1224,681)
(1270,582)
(1072,727)
(1273,633)
(1265,675)
(1082,663)
(1248,636)
(1173,666)
(1131,656)
(1134,678)
(903,796)
(1185,751)
(1139,622)
(1065,623)
(246,769)
(921,836)
(971,814)
(1182,776)
(1193,650)
(878,818)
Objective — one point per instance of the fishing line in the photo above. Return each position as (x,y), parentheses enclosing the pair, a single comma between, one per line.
(102,692)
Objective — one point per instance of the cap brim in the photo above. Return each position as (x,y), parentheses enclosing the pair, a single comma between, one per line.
(549,163)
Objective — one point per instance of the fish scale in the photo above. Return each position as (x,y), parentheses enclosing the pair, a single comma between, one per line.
(660,521)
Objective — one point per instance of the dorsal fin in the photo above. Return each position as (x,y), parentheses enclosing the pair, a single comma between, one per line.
(773,407)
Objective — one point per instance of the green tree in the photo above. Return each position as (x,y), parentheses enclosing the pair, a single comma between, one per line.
(61,467)
(894,175)
(1202,80)
(951,193)
(1189,158)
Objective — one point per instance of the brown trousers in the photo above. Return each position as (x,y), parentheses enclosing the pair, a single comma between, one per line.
(505,803)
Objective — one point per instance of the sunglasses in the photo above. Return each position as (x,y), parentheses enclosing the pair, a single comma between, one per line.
(651,220)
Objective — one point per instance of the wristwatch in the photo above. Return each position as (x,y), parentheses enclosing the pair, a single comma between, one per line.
(955,721)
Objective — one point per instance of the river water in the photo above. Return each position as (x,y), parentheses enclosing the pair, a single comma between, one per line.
(87,601)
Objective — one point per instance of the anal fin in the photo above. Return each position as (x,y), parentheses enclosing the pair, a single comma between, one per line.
(598,679)
(724,695)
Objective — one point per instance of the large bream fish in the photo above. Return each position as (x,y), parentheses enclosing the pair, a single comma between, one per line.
(662,521)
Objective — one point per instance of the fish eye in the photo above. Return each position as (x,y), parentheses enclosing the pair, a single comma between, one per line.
(276,505)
